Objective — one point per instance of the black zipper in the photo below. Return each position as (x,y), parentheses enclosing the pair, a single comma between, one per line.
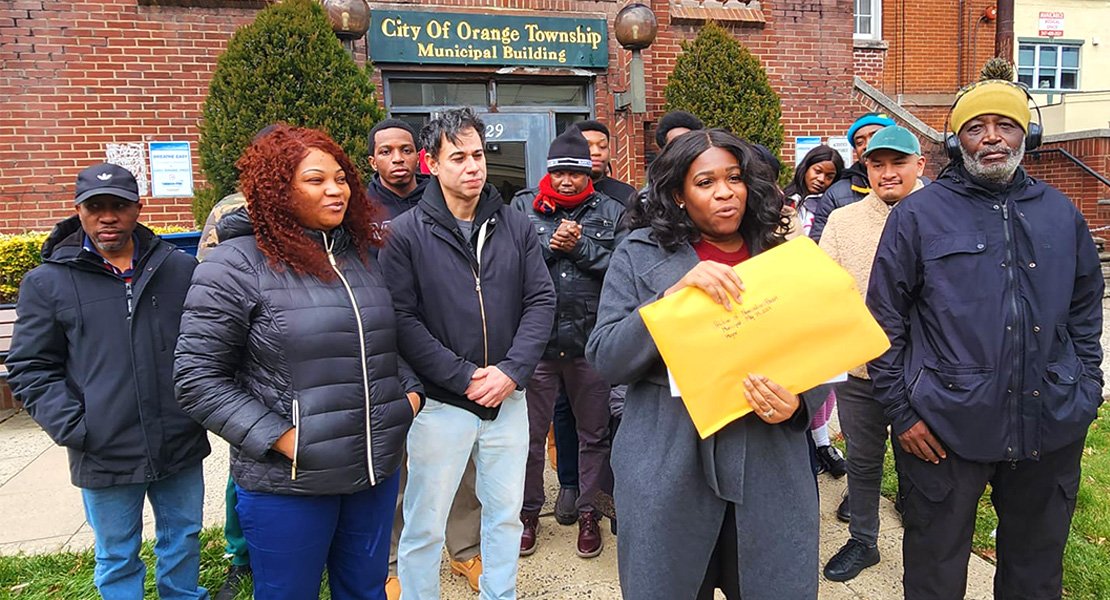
(1015,376)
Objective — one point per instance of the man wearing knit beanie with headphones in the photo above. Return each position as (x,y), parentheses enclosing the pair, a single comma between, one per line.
(578,230)
(988,284)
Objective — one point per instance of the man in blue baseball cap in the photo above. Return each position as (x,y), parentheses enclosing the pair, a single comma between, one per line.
(852,184)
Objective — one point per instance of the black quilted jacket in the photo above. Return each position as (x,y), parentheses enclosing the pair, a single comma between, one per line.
(262,350)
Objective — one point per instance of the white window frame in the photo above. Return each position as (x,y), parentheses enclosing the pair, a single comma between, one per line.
(876,21)
(1059,68)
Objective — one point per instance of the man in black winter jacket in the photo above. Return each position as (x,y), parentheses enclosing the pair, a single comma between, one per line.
(988,284)
(92,360)
(398,186)
(578,229)
(474,307)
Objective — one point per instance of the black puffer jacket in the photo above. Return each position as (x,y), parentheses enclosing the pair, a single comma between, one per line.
(92,360)
(262,350)
(577,275)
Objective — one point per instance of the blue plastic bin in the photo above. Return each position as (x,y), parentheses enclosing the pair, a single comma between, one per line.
(186,241)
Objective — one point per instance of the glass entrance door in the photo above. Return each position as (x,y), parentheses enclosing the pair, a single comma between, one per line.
(516,150)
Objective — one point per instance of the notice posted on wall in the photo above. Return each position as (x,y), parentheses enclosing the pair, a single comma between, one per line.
(802,146)
(171,170)
(843,147)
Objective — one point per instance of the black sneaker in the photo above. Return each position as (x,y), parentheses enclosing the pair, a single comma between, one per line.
(237,577)
(844,511)
(832,461)
(566,509)
(853,557)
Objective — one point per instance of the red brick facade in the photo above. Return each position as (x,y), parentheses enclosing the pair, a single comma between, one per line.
(79,75)
(1081,187)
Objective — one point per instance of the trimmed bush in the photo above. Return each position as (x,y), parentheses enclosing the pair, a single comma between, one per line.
(18,254)
(286,66)
(720,81)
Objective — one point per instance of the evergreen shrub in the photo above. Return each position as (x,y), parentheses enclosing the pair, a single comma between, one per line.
(724,84)
(287,66)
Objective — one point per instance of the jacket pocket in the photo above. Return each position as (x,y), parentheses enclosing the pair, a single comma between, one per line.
(1069,403)
(954,267)
(296,437)
(600,229)
(961,406)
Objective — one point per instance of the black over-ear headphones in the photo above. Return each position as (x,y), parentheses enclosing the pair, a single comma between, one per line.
(1033,136)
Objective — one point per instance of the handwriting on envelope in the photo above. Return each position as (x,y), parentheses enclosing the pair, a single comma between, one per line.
(801,322)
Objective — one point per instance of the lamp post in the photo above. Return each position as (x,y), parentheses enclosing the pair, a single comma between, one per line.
(350,19)
(636,28)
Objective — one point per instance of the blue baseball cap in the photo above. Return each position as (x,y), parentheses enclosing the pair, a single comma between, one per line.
(881,119)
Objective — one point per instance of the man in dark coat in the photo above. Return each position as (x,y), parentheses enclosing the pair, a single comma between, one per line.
(474,307)
(398,185)
(988,284)
(578,228)
(597,135)
(92,360)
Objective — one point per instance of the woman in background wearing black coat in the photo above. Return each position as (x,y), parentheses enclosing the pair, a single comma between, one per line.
(288,351)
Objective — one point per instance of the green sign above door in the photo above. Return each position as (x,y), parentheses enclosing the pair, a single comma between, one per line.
(400,36)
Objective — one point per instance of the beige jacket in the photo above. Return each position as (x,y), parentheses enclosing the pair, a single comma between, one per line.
(851,238)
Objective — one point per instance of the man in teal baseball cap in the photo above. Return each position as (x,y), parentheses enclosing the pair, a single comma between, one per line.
(852,184)
(894,165)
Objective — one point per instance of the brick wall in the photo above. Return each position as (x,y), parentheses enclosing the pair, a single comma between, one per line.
(806,48)
(79,75)
(1083,189)
(869,64)
(927,52)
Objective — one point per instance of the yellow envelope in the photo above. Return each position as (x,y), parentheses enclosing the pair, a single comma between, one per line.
(801,322)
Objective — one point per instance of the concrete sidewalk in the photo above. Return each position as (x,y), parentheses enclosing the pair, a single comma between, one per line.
(41,512)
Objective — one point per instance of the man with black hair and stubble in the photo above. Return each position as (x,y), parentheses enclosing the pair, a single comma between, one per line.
(474,305)
(398,185)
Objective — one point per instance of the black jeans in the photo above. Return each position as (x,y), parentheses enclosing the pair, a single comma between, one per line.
(1034,501)
(865,432)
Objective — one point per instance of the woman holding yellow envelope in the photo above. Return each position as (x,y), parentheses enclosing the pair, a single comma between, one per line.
(737,510)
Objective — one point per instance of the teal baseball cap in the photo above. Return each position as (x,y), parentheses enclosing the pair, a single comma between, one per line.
(893,137)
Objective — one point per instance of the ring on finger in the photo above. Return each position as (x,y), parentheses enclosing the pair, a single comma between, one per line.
(768,412)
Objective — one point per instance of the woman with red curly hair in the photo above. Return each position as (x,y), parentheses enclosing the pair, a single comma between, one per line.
(288,350)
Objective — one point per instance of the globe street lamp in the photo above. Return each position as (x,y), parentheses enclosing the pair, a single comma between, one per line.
(350,19)
(636,28)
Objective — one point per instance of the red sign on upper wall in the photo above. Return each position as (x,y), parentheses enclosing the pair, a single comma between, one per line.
(1050,24)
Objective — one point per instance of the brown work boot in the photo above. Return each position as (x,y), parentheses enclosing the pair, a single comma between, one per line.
(589,535)
(471,569)
(528,538)
(392,588)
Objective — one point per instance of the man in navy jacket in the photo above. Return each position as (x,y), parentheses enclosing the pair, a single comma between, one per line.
(475,305)
(988,284)
(92,361)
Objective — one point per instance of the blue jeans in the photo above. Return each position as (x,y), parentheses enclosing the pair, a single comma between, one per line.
(292,538)
(441,440)
(116,517)
(566,442)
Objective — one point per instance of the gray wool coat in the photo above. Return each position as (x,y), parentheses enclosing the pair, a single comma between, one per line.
(671,488)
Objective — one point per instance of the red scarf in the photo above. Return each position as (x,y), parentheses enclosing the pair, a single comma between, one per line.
(548,199)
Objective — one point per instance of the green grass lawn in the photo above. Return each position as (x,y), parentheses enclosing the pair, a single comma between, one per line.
(68,575)
(1087,556)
